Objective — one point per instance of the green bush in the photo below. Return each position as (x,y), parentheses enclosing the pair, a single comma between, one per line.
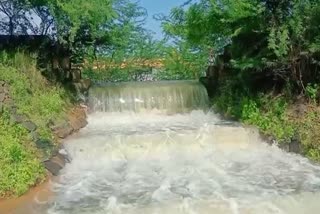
(20,167)
(312,91)
(265,112)
(270,116)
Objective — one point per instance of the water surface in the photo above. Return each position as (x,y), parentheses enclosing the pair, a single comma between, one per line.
(140,155)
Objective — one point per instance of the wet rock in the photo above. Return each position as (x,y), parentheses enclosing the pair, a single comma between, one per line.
(53,167)
(62,130)
(79,124)
(64,156)
(295,146)
(30,126)
(78,119)
(284,146)
(58,159)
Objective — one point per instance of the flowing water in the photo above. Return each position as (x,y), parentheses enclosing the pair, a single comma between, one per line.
(150,148)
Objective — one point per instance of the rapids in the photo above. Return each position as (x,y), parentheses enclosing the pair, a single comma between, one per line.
(152,149)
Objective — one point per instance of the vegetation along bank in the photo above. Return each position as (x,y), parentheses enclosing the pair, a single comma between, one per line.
(35,115)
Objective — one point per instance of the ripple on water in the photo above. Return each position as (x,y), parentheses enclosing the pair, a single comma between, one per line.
(192,163)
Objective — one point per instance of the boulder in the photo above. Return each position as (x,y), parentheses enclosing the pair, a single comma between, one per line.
(30,126)
(46,147)
(53,167)
(62,130)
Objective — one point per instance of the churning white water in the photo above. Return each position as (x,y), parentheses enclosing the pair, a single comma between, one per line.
(185,163)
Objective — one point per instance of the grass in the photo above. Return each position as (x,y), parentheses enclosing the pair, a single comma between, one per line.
(20,166)
(273,115)
(41,101)
(32,93)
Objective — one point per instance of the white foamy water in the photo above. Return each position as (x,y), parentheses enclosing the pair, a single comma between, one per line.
(195,163)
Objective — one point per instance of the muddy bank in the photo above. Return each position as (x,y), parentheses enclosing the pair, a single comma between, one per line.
(26,203)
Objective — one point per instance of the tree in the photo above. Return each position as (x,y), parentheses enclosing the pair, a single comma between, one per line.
(15,17)
(270,36)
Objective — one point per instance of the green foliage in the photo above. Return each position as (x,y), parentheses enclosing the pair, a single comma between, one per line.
(32,94)
(312,91)
(265,112)
(270,116)
(267,36)
(41,102)
(308,127)
(20,168)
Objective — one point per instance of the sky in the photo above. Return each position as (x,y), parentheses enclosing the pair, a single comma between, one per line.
(155,7)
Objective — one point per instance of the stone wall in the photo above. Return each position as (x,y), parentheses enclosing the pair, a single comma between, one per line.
(53,155)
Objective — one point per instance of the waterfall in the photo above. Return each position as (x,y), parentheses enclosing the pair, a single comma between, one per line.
(164,96)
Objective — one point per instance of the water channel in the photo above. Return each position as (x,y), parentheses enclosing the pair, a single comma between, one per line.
(156,148)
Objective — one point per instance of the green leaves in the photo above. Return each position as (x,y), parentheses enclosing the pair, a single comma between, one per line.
(279,42)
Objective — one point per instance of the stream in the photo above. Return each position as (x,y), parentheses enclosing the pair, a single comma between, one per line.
(156,148)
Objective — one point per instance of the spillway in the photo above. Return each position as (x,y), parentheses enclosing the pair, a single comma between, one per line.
(154,148)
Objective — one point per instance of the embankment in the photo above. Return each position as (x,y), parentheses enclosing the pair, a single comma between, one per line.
(35,115)
(283,117)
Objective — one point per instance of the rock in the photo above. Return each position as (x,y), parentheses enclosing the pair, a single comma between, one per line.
(301,109)
(46,147)
(78,119)
(2,97)
(11,107)
(5,90)
(284,146)
(17,118)
(62,130)
(53,167)
(295,146)
(2,83)
(44,144)
(30,126)
(59,159)
(64,156)
(35,136)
